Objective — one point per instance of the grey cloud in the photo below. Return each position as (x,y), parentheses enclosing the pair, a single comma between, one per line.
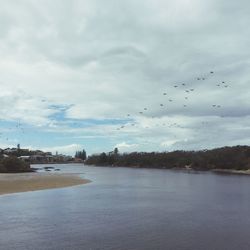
(111,58)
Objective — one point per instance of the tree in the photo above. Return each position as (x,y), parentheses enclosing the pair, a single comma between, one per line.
(116,151)
(237,157)
(103,158)
(81,155)
(84,155)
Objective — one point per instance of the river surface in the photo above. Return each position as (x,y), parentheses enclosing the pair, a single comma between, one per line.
(130,209)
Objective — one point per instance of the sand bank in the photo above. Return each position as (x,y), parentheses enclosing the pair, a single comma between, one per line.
(14,183)
(232,171)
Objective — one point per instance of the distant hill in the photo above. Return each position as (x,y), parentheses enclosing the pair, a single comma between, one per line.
(232,158)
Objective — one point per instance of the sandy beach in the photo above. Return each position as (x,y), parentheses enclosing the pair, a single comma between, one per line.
(15,183)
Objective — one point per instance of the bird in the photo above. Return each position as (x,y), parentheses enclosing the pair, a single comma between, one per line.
(211,72)
(164,93)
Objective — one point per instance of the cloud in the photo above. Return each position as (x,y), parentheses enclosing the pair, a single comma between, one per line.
(124,147)
(65,149)
(63,63)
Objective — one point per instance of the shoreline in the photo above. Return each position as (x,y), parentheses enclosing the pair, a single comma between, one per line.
(231,171)
(25,182)
(186,169)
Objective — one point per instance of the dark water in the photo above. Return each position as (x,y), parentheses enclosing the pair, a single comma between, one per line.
(131,209)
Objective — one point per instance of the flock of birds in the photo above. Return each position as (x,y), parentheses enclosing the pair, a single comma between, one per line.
(130,119)
(186,91)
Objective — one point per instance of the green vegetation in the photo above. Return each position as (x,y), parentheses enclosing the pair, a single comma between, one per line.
(81,155)
(235,158)
(13,165)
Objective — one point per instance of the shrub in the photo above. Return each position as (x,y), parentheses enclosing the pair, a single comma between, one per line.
(13,165)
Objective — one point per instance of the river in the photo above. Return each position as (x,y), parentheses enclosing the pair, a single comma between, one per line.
(130,209)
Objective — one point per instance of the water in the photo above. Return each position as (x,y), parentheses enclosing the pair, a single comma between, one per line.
(130,209)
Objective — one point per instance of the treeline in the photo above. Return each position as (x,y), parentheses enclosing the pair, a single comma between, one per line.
(13,165)
(236,158)
(81,155)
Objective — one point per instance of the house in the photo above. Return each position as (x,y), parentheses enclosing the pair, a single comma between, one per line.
(25,158)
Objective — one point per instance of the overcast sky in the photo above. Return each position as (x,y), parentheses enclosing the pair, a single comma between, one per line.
(144,75)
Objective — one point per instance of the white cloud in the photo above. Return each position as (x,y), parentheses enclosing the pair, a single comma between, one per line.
(124,147)
(65,149)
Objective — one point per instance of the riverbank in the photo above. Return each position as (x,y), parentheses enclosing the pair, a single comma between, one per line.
(229,158)
(188,169)
(231,171)
(15,183)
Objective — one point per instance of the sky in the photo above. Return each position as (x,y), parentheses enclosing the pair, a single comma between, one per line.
(140,75)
